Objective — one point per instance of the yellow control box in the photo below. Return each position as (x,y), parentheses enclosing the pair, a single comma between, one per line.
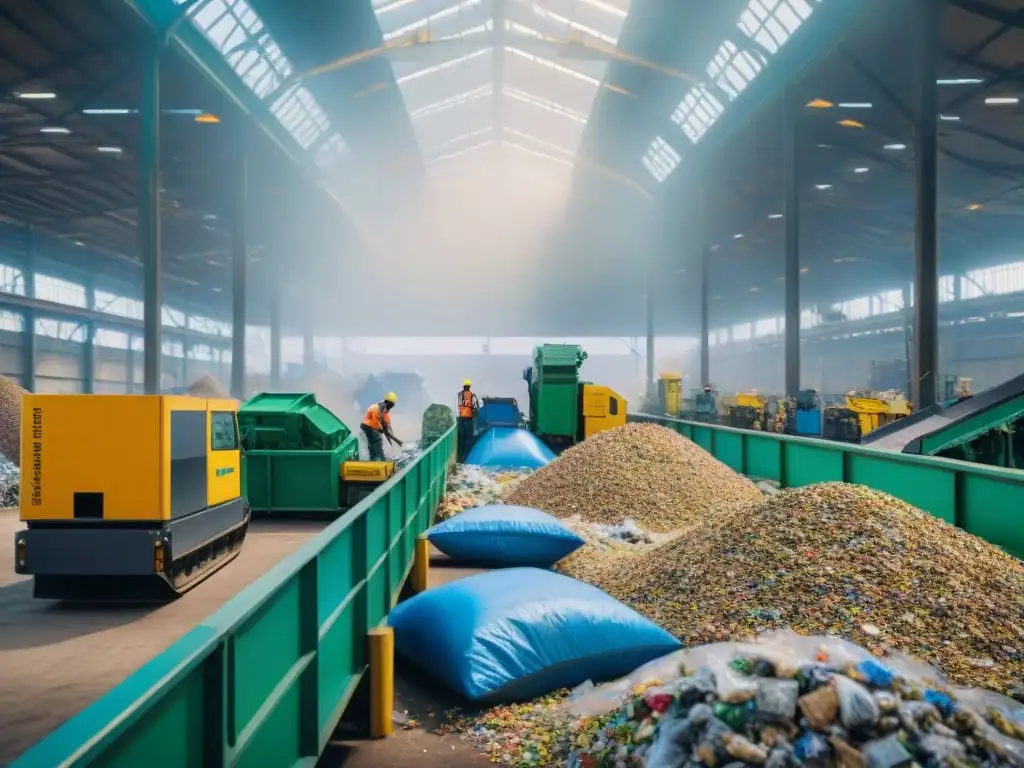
(126,457)
(366,471)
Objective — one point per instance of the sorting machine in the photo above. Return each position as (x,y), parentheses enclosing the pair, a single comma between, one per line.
(301,459)
(152,506)
(164,494)
(985,428)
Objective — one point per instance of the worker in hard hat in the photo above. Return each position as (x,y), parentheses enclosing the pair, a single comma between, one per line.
(467,404)
(377,425)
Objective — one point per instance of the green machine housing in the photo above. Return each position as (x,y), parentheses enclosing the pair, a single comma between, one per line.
(301,459)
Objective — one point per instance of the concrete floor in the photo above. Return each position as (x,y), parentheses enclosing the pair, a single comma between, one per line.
(56,658)
(417,698)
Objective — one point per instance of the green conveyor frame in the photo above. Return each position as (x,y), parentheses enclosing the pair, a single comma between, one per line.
(933,430)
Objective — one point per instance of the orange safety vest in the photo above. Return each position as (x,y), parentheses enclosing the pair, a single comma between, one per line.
(466,404)
(376,417)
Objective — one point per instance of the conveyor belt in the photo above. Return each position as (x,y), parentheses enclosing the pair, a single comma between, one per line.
(57,658)
(962,421)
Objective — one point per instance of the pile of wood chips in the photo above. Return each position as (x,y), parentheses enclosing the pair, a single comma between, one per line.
(642,472)
(10,420)
(838,559)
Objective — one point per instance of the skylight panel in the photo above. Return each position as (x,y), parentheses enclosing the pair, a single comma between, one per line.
(531,139)
(545,104)
(660,159)
(547,63)
(535,153)
(458,140)
(446,13)
(465,151)
(452,101)
(442,66)
(238,33)
(697,112)
(555,18)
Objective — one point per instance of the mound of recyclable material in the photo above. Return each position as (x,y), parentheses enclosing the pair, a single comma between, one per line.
(845,560)
(10,419)
(517,633)
(799,701)
(470,486)
(208,387)
(639,472)
(509,448)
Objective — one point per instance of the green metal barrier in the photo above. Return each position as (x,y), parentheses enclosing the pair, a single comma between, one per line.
(981,500)
(265,679)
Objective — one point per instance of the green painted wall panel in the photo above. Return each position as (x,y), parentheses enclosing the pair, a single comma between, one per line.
(928,487)
(729,450)
(992,507)
(264,680)
(806,463)
(764,458)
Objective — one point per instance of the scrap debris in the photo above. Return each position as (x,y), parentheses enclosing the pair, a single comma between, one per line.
(473,486)
(769,704)
(642,472)
(10,483)
(843,560)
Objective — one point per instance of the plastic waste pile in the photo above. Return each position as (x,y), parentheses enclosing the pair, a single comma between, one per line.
(789,700)
(473,486)
(10,483)
(406,453)
(437,419)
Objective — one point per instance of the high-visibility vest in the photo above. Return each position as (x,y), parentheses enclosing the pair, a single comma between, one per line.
(466,404)
(376,417)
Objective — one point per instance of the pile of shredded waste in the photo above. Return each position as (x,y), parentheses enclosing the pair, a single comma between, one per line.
(844,560)
(473,486)
(640,472)
(10,420)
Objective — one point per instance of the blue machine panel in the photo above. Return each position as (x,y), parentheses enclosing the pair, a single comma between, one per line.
(808,422)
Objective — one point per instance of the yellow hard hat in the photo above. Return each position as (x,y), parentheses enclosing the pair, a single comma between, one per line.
(467,383)
(391,397)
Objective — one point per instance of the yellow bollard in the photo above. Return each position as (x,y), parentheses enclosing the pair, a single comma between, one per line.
(382,681)
(421,565)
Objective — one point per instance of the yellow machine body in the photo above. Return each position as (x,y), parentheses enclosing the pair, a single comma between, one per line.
(750,400)
(366,471)
(128,496)
(671,385)
(877,410)
(602,408)
(120,446)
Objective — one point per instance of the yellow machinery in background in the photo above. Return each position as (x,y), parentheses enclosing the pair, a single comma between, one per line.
(601,408)
(876,409)
(747,410)
(134,497)
(670,393)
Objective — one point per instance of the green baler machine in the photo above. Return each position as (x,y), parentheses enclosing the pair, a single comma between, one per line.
(554,384)
(301,459)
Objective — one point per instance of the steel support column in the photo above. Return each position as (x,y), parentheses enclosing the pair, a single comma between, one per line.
(702,256)
(275,330)
(792,247)
(88,348)
(149,213)
(29,337)
(926,230)
(239,263)
(650,388)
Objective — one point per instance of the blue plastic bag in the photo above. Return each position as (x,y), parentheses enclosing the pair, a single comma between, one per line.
(503,536)
(519,633)
(509,448)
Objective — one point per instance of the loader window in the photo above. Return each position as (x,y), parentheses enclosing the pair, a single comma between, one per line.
(223,431)
(613,406)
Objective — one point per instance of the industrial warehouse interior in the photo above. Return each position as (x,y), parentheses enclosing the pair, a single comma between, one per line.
(570,383)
